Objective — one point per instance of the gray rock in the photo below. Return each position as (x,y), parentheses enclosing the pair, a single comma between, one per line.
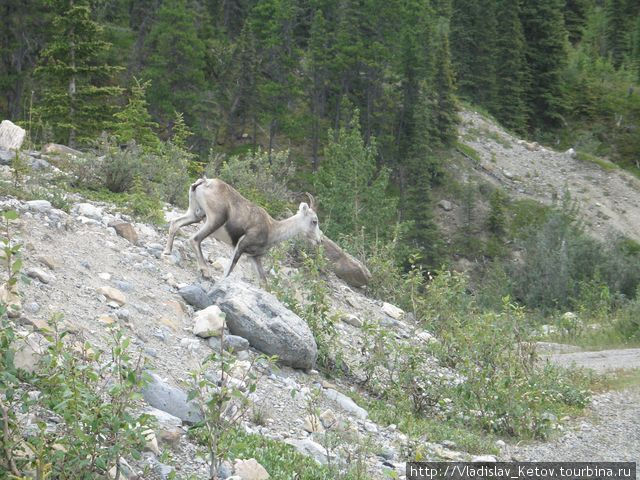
(445,205)
(32,307)
(346,403)
(173,400)
(39,164)
(6,156)
(224,472)
(87,210)
(231,342)
(124,286)
(39,205)
(11,135)
(269,326)
(163,471)
(309,448)
(195,296)
(388,453)
(57,149)
(40,274)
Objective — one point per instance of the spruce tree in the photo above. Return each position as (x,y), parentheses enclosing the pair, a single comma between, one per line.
(616,33)
(78,95)
(473,50)
(134,122)
(423,168)
(443,107)
(351,189)
(22,36)
(511,64)
(543,26)
(575,18)
(318,62)
(175,63)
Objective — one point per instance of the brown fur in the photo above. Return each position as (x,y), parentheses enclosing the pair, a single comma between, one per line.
(235,220)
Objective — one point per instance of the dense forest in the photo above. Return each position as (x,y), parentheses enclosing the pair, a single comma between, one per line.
(384,78)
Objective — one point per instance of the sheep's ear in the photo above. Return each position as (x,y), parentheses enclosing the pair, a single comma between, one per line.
(303,208)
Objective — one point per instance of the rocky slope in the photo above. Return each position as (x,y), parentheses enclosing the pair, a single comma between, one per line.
(607,199)
(84,269)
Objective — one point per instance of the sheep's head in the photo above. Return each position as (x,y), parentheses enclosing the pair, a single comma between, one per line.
(311,228)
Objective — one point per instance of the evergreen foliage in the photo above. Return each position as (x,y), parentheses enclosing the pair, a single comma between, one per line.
(545,34)
(174,62)
(511,70)
(352,190)
(78,96)
(134,123)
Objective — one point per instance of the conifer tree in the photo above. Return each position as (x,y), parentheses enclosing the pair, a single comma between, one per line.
(318,54)
(543,26)
(617,32)
(175,63)
(134,122)
(510,105)
(575,18)
(444,117)
(473,37)
(423,169)
(352,189)
(78,95)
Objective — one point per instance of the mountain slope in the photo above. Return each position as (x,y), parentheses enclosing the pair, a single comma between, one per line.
(607,198)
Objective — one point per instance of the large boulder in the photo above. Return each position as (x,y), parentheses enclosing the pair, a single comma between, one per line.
(195,296)
(269,326)
(173,400)
(11,135)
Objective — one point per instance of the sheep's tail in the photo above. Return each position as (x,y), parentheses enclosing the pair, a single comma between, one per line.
(193,202)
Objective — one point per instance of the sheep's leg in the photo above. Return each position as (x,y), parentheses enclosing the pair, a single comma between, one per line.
(187,219)
(237,252)
(257,263)
(210,226)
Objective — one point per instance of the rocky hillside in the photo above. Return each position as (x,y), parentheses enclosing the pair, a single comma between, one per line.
(607,197)
(97,268)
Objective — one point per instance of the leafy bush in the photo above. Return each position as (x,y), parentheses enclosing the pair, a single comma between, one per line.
(560,261)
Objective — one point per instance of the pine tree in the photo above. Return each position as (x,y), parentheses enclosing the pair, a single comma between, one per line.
(510,105)
(22,35)
(78,97)
(635,55)
(134,122)
(575,18)
(318,55)
(423,168)
(444,117)
(352,190)
(175,63)
(473,36)
(543,26)
(616,32)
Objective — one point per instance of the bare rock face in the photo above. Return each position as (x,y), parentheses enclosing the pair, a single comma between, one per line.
(269,326)
(11,135)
